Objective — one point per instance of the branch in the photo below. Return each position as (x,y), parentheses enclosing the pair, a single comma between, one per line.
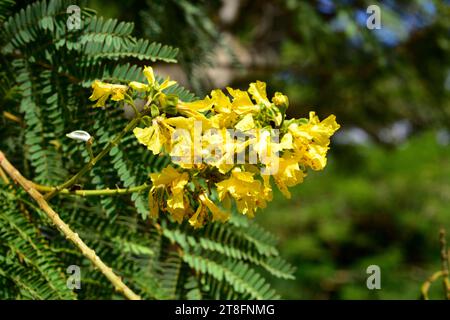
(65,229)
(4,176)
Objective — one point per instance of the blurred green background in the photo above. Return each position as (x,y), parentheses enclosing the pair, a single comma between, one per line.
(385,192)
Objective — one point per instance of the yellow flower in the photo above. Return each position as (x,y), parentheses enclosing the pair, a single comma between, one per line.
(148,73)
(224,120)
(280,100)
(193,110)
(138,86)
(266,149)
(246,191)
(102,91)
(185,146)
(174,182)
(288,174)
(242,103)
(258,91)
(228,112)
(152,83)
(198,217)
(315,157)
(154,137)
(274,112)
(218,149)
(224,117)
(181,148)
(176,204)
(319,131)
(311,140)
(198,105)
(246,123)
(180,122)
(220,101)
(286,142)
(166,84)
(217,213)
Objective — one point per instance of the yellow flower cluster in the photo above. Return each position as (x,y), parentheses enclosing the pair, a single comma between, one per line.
(225,148)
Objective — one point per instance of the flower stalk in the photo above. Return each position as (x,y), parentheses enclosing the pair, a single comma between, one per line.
(88,166)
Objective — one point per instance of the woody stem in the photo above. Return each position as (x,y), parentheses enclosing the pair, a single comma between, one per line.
(28,186)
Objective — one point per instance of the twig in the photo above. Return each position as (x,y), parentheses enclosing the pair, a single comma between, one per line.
(12,117)
(444,272)
(426,285)
(89,148)
(444,264)
(93,192)
(65,229)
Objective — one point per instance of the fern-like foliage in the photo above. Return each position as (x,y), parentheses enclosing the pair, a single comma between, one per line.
(46,70)
(26,259)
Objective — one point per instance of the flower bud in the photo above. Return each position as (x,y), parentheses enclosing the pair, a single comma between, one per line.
(79,135)
(280,100)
